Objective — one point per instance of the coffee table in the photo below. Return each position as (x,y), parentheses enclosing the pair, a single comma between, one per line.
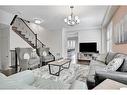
(60,64)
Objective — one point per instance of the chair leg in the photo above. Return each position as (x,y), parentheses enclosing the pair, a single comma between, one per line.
(20,69)
(43,63)
(39,65)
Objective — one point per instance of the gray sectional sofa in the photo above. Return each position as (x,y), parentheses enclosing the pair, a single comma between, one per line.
(97,75)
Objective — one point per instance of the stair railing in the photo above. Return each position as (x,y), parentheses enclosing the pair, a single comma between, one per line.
(31,31)
(21,26)
(24,31)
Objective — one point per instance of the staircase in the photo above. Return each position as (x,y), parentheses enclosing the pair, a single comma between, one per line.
(21,27)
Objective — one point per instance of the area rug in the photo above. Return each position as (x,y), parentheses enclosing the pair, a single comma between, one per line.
(75,72)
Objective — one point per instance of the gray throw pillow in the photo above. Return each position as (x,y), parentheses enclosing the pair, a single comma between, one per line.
(114,64)
(124,66)
(109,57)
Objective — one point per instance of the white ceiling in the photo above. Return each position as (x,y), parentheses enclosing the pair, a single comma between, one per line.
(53,16)
(3,26)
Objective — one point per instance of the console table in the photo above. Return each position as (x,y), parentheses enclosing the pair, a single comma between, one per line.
(60,64)
(86,56)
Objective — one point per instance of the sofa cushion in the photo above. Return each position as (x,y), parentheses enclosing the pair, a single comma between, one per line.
(14,82)
(109,57)
(119,55)
(96,65)
(43,51)
(124,66)
(25,77)
(2,78)
(114,64)
(15,85)
(101,57)
(91,78)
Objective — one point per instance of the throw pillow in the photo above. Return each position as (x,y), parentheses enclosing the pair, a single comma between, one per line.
(124,66)
(26,56)
(44,53)
(33,54)
(114,64)
(109,57)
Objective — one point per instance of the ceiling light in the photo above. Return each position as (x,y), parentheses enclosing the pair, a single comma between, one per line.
(72,20)
(38,21)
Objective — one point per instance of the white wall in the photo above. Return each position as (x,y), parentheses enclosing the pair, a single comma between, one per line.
(42,33)
(93,35)
(4,46)
(5,18)
(64,43)
(104,40)
(54,41)
(0,47)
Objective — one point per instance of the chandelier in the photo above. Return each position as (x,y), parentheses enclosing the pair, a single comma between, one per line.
(72,20)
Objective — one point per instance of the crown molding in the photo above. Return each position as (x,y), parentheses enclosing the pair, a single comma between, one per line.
(80,29)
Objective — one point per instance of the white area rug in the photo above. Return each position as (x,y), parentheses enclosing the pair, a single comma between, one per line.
(75,72)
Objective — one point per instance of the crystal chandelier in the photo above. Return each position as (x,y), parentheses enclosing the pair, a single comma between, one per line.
(72,20)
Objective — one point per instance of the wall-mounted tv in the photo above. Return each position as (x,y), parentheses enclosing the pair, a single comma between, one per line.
(88,47)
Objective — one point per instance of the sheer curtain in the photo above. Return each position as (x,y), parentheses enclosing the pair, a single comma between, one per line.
(109,37)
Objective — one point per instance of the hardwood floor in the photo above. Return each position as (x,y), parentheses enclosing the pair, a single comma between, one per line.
(83,62)
(9,71)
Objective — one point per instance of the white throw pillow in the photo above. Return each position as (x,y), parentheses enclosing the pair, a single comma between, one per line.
(114,64)
(26,56)
(44,53)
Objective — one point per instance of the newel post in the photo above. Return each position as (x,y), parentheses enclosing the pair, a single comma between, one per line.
(36,41)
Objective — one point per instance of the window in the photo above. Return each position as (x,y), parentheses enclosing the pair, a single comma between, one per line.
(71,44)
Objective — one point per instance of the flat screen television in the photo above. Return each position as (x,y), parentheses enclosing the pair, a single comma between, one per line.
(88,47)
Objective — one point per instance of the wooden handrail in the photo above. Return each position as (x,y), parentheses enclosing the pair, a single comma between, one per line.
(13,19)
(41,42)
(24,20)
(36,40)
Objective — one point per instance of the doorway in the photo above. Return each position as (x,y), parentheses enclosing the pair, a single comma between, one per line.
(72,48)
